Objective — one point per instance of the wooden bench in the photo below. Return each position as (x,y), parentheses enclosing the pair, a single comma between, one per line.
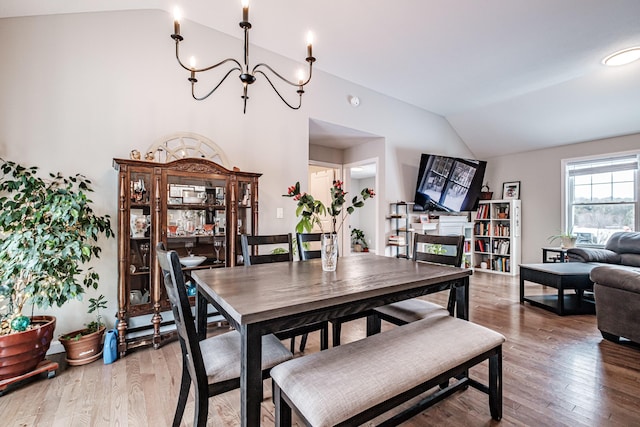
(353,383)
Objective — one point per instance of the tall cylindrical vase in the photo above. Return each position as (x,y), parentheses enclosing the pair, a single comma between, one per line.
(329,252)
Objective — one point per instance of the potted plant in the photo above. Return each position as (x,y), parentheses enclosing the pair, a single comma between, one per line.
(358,240)
(567,240)
(85,345)
(48,231)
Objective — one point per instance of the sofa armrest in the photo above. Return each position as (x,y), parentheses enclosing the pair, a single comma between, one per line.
(620,278)
(593,255)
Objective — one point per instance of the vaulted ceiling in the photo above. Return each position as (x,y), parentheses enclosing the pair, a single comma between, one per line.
(510,76)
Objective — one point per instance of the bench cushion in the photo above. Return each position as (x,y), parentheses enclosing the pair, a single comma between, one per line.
(410,310)
(331,386)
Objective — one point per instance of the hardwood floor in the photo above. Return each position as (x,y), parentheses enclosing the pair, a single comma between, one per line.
(558,371)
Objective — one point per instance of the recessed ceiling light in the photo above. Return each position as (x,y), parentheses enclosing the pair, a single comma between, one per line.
(622,57)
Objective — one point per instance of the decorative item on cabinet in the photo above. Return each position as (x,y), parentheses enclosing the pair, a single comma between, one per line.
(193,206)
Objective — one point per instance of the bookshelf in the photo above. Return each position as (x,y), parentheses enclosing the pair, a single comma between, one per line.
(497,235)
(400,238)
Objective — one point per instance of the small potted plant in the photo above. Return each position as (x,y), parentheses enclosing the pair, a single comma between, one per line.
(48,231)
(567,240)
(358,240)
(85,345)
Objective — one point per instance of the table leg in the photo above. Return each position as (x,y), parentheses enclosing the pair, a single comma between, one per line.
(250,376)
(560,300)
(521,287)
(462,299)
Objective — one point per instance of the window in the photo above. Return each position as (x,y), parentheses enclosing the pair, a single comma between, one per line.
(601,197)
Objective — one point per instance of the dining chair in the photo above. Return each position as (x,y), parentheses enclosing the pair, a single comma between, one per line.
(251,248)
(213,364)
(252,255)
(304,242)
(447,250)
(306,252)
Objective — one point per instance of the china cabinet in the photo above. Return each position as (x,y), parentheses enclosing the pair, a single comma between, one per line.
(195,207)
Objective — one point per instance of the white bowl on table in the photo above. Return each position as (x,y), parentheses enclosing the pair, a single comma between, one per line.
(192,261)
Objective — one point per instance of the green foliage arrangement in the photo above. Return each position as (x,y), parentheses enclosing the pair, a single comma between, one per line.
(48,230)
(310,210)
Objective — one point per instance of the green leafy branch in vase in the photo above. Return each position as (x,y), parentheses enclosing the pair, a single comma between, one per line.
(310,210)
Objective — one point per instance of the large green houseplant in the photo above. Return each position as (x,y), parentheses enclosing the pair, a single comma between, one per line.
(48,231)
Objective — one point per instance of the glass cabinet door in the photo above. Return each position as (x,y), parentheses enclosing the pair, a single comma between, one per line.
(196,221)
(139,222)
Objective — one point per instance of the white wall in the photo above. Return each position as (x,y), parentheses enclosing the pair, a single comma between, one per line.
(539,173)
(80,89)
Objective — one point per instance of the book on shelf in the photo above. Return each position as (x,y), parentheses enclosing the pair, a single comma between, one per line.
(397,240)
(483,212)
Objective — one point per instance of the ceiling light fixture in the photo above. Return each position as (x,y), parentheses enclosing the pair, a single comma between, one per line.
(622,57)
(247,76)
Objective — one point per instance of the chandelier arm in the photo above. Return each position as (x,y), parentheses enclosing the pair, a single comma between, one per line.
(193,94)
(198,70)
(297,84)
(300,92)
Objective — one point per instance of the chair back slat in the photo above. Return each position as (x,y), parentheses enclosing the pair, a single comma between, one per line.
(250,248)
(183,317)
(303,240)
(439,249)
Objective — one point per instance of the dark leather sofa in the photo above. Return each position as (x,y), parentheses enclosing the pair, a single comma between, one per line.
(616,287)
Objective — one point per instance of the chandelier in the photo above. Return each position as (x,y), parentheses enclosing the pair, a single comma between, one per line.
(247,76)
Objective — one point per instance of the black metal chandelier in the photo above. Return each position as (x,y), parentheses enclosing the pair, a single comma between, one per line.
(247,77)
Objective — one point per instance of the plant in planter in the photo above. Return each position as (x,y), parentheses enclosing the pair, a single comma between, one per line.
(85,345)
(358,240)
(48,231)
(567,240)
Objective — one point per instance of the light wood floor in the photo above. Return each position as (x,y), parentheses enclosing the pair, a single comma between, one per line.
(557,372)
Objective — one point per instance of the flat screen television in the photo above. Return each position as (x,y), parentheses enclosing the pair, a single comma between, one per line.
(448,184)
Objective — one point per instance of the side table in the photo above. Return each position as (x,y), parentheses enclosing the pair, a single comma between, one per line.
(560,254)
(562,276)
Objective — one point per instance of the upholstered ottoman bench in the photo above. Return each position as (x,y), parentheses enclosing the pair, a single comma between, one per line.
(356,382)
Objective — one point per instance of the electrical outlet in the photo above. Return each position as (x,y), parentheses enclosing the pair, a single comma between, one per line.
(279,213)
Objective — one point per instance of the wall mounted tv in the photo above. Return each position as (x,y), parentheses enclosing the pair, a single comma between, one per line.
(448,184)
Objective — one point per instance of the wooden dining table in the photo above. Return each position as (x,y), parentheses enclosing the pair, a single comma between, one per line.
(268,298)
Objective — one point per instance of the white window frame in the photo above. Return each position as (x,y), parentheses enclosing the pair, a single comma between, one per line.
(566,190)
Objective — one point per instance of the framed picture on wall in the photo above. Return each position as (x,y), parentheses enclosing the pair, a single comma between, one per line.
(511,190)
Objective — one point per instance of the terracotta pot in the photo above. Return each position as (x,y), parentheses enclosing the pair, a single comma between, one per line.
(21,352)
(84,350)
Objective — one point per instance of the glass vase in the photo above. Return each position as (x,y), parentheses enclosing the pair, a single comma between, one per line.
(329,251)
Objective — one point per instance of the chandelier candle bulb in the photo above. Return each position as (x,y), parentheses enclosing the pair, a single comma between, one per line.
(245,10)
(176,21)
(309,43)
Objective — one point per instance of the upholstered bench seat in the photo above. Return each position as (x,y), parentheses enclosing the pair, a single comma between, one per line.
(410,310)
(358,381)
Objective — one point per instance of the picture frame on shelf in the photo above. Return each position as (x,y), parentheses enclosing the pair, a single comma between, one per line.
(511,190)
(424,218)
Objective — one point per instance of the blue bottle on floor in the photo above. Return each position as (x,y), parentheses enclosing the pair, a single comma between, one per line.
(110,353)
